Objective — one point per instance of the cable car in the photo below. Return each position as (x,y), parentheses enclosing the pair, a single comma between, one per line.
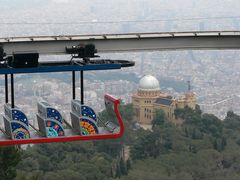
(51,126)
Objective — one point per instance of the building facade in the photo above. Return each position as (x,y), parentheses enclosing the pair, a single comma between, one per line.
(150,98)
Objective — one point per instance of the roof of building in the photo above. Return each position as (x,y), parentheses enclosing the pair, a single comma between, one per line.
(149,83)
(164,101)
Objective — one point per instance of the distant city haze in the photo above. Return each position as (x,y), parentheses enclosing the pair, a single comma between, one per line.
(219,14)
(214,75)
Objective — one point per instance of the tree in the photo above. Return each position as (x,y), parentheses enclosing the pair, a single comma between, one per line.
(220,143)
(196,134)
(9,158)
(127,112)
(232,120)
(118,171)
(159,118)
(128,164)
(211,124)
(123,167)
(198,110)
(146,145)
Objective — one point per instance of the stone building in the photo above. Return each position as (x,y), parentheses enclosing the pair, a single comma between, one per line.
(149,98)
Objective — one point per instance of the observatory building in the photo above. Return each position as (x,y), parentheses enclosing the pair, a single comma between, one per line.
(150,98)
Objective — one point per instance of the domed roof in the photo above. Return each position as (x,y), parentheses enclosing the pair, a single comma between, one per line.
(149,83)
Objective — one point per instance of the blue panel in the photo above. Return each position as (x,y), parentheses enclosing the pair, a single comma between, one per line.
(51,132)
(19,131)
(54,129)
(17,115)
(43,69)
(89,112)
(54,114)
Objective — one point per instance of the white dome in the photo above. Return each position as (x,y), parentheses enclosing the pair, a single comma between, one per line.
(149,83)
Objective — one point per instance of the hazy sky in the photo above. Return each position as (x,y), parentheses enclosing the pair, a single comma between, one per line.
(117,9)
(219,14)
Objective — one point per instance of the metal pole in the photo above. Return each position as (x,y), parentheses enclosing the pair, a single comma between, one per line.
(6,88)
(12,90)
(73,85)
(82,87)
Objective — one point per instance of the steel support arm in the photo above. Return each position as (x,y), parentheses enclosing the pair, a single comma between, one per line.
(125,42)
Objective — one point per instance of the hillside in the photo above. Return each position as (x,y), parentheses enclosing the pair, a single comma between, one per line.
(204,147)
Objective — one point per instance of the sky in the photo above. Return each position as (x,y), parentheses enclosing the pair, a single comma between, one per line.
(85,17)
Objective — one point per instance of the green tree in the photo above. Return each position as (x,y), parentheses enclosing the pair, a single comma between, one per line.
(127,112)
(146,145)
(9,158)
(123,167)
(118,171)
(128,164)
(159,118)
(219,143)
(232,120)
(196,134)
(211,124)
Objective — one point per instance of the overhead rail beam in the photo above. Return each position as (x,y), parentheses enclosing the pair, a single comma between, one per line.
(108,43)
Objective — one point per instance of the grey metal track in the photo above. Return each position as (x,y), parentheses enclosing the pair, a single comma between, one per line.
(108,43)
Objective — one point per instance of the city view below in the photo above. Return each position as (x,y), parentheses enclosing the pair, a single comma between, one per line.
(178,113)
(214,75)
(213,79)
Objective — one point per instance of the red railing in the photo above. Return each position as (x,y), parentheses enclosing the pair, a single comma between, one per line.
(116,103)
